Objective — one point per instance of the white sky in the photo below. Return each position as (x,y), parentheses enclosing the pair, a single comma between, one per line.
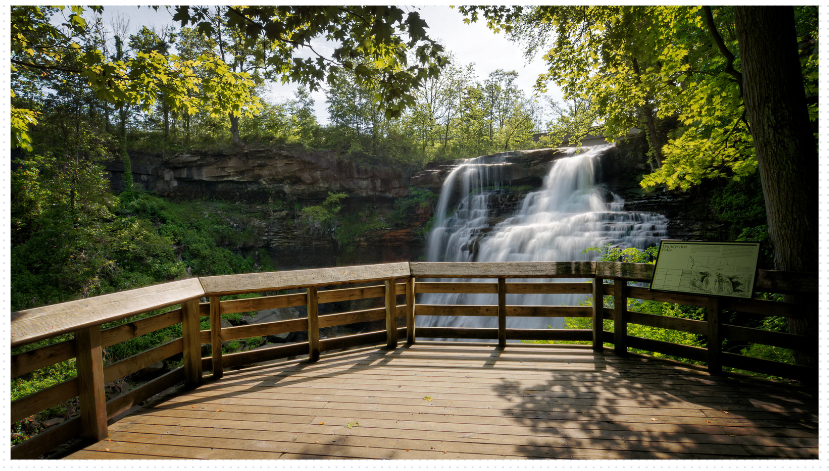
(469,43)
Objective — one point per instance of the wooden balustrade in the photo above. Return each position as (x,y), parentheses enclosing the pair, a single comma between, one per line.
(84,319)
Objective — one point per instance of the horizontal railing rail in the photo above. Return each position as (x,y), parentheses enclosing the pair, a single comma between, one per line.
(83,319)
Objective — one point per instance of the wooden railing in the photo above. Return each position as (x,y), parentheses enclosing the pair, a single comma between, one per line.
(84,318)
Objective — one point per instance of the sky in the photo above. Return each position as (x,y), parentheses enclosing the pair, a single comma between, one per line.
(469,43)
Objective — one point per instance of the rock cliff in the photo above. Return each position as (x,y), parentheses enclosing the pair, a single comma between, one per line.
(256,175)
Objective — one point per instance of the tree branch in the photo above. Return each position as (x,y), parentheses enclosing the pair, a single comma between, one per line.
(45,67)
(718,40)
(280,38)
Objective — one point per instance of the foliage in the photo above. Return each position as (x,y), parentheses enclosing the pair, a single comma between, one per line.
(416,199)
(285,122)
(741,202)
(632,65)
(610,253)
(322,219)
(51,53)
(353,227)
(381,35)
(143,241)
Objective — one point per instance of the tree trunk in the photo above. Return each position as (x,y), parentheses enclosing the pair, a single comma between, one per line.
(166,121)
(234,129)
(787,156)
(126,177)
(653,134)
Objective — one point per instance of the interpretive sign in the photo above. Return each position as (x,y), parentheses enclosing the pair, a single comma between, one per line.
(709,268)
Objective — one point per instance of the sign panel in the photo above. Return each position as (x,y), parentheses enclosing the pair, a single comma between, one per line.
(707,268)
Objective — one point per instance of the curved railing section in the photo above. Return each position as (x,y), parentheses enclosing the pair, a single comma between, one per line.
(397,284)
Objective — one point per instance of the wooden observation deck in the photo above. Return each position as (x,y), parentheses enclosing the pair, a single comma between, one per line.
(369,397)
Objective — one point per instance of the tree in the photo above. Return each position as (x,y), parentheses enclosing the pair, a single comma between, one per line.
(571,122)
(148,41)
(639,66)
(57,53)
(786,151)
(241,54)
(457,79)
(353,110)
(518,124)
(378,35)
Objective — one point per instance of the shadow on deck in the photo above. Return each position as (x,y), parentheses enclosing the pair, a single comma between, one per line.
(436,400)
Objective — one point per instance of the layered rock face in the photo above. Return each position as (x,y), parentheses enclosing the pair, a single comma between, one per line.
(258,174)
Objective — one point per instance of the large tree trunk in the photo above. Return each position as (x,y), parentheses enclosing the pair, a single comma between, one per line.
(786,153)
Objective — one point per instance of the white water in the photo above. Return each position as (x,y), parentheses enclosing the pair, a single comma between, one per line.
(569,214)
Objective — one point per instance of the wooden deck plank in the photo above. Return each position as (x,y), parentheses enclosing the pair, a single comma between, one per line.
(357,403)
(586,382)
(529,402)
(112,455)
(600,439)
(447,399)
(423,424)
(493,418)
(165,447)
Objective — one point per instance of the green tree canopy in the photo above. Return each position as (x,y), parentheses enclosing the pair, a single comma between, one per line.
(634,65)
(53,54)
(382,35)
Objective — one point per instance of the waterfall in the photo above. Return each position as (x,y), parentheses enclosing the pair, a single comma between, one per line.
(570,213)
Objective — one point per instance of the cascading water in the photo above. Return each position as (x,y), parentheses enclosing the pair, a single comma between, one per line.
(569,214)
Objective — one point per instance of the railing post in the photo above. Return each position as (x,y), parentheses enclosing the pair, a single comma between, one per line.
(714,340)
(502,312)
(216,335)
(620,316)
(91,395)
(410,310)
(391,314)
(313,324)
(192,345)
(598,311)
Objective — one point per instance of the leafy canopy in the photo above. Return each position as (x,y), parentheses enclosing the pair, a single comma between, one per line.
(624,62)
(54,54)
(383,36)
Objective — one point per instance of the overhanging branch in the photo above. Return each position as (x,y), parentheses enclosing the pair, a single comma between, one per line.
(718,40)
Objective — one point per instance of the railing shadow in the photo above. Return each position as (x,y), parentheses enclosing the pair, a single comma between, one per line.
(284,375)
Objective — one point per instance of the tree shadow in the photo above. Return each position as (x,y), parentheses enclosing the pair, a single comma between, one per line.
(642,407)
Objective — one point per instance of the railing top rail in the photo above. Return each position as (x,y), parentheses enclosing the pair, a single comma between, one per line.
(43,322)
(786,282)
(255,282)
(625,271)
(503,269)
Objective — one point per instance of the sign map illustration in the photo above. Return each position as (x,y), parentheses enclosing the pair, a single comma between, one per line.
(708,268)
